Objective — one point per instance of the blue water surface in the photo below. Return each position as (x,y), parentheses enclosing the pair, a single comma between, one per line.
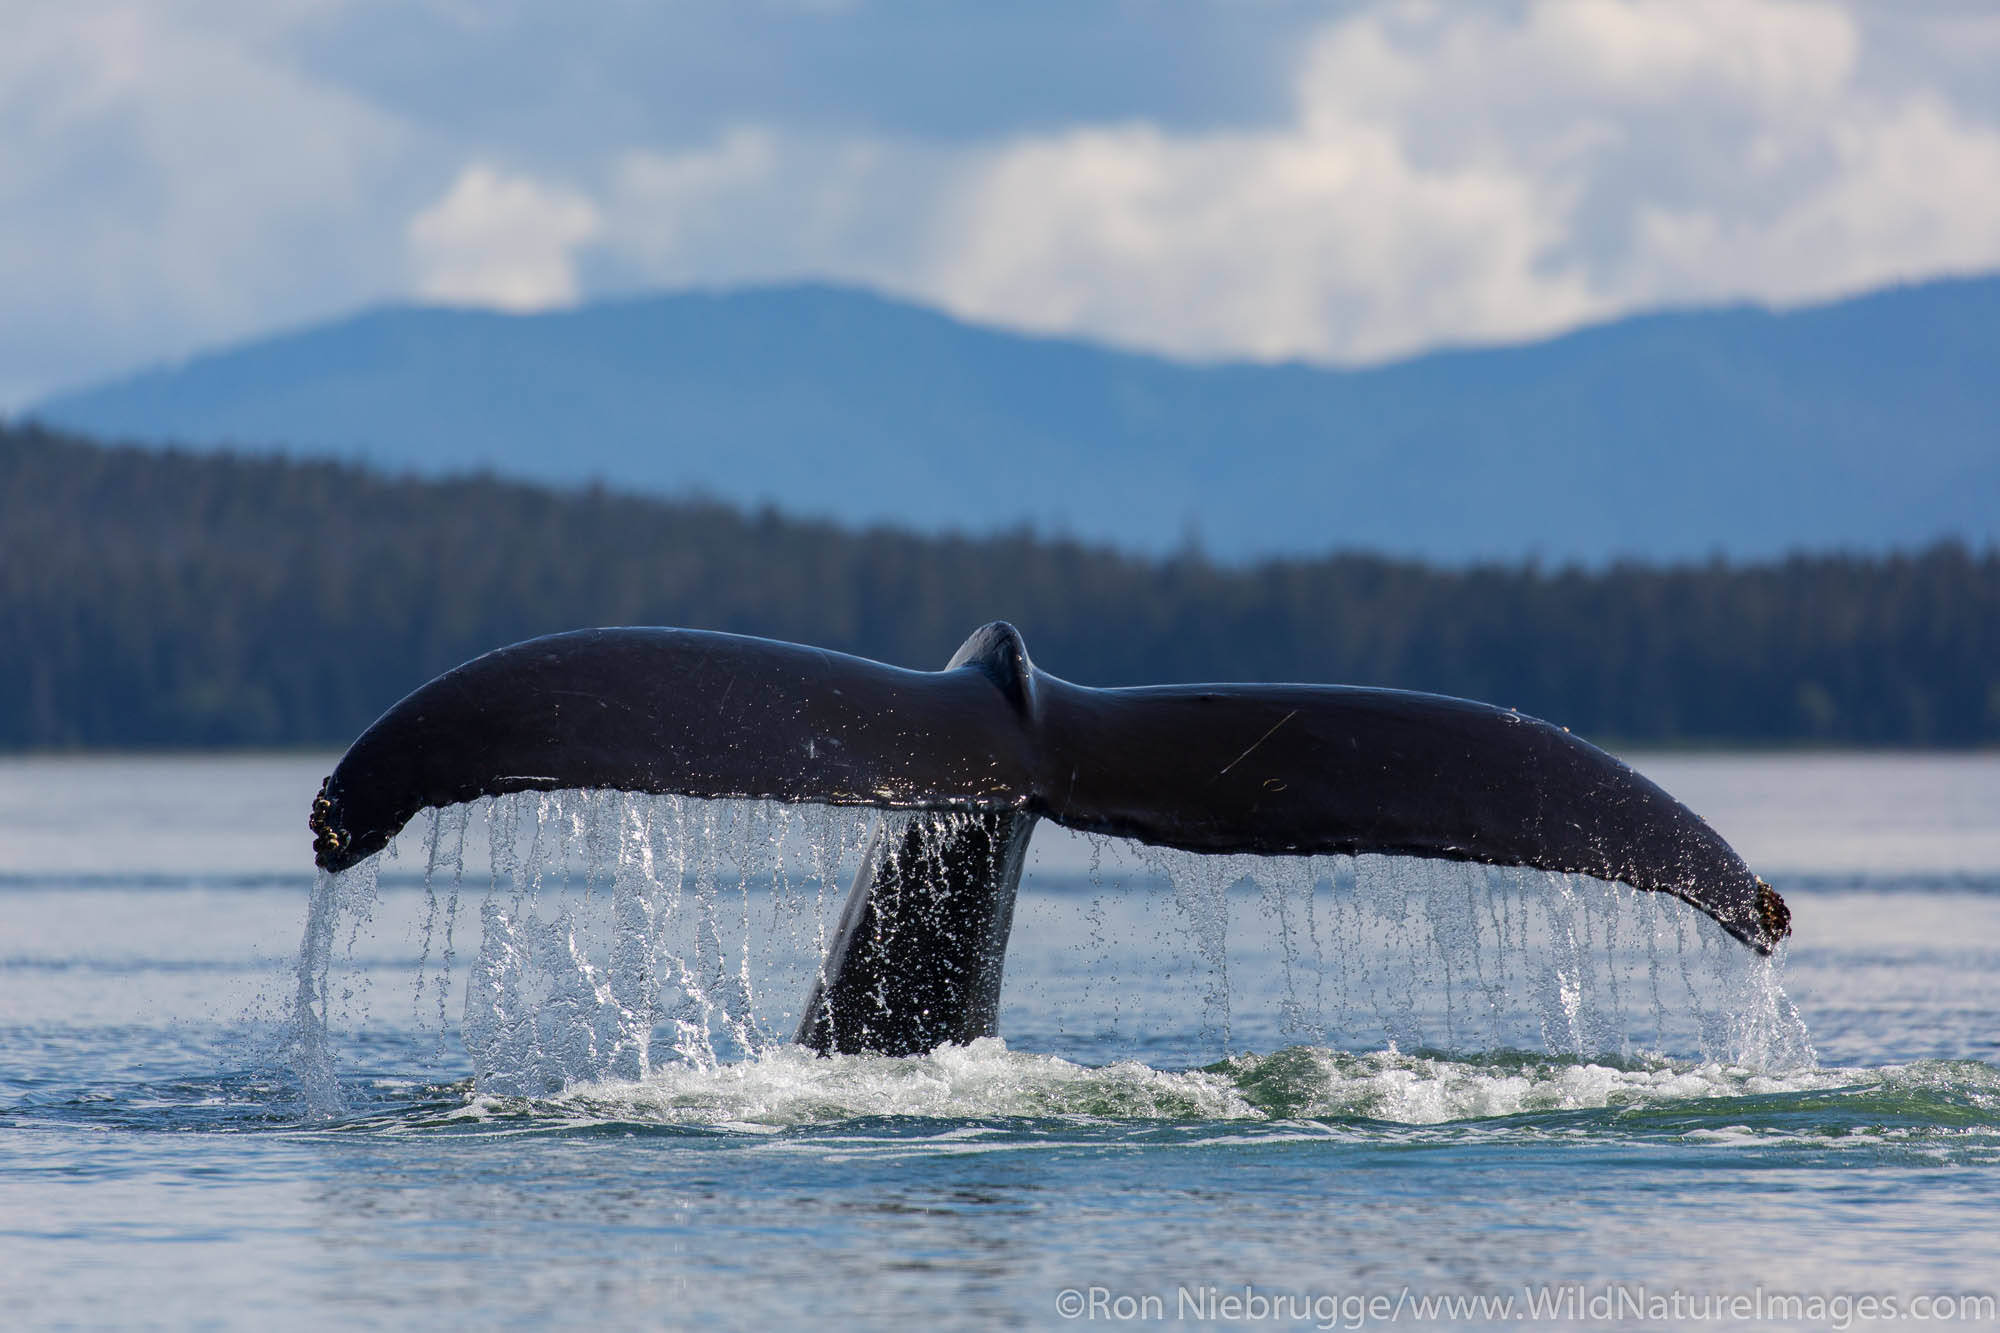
(1197,1100)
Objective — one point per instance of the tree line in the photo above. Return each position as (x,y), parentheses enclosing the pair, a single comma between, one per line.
(160,598)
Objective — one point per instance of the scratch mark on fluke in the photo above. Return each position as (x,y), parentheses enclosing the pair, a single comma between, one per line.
(1259,741)
(986,747)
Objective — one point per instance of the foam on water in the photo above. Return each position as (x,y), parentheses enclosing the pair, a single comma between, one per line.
(787,1087)
(661,945)
(1314,1083)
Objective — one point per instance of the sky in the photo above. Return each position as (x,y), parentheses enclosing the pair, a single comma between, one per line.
(1339,183)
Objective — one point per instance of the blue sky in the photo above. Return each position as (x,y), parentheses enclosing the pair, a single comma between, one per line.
(1261,178)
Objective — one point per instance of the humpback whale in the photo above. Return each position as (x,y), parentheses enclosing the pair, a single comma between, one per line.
(964,762)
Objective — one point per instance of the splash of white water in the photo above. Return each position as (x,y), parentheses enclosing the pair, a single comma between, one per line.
(623,937)
(788,1086)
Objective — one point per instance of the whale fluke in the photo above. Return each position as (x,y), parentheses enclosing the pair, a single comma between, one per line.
(982,749)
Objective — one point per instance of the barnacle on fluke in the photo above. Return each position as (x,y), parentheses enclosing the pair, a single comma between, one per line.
(328,837)
(1772,914)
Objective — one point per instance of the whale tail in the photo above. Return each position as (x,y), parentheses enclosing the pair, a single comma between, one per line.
(976,753)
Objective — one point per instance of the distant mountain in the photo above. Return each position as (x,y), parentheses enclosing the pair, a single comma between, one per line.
(1870,423)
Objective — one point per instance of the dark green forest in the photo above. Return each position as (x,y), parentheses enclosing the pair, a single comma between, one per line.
(164,599)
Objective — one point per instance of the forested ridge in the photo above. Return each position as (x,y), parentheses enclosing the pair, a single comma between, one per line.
(153,598)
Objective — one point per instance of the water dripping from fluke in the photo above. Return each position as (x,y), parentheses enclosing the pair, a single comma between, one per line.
(666,816)
(626,940)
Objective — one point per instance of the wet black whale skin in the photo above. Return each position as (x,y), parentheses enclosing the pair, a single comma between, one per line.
(987,746)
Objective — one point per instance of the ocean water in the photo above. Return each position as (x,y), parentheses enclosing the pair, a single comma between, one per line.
(531,1070)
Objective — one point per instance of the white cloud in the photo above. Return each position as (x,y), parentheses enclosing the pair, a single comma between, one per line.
(1455,175)
(757,205)
(174,175)
(1910,192)
(667,207)
(502,241)
(1285,245)
(165,182)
